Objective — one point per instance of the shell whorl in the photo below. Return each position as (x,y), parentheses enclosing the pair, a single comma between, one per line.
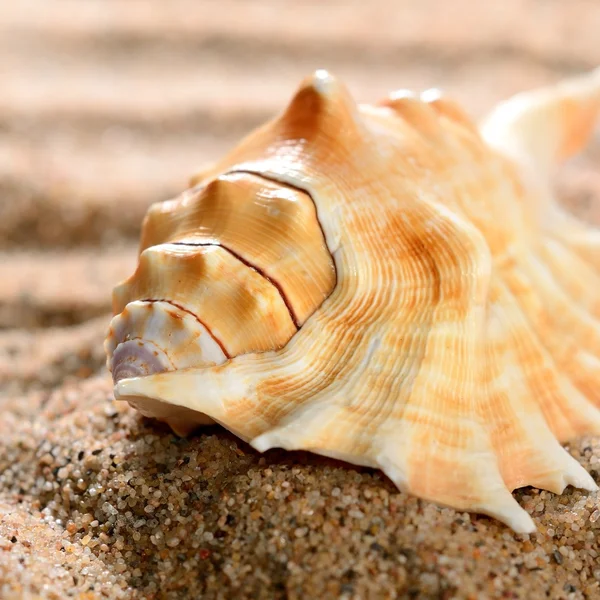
(456,346)
(241,255)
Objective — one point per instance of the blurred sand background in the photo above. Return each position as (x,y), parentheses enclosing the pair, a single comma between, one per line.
(106,107)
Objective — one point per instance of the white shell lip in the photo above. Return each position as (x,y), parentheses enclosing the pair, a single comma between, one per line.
(152,336)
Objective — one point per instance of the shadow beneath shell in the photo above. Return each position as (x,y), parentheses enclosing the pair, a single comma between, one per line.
(274,457)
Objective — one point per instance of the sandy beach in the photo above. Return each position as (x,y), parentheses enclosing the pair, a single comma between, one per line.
(106,107)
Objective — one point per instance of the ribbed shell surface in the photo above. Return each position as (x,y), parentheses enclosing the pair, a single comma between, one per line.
(461,341)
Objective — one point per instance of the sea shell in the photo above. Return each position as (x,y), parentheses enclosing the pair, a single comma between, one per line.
(389,285)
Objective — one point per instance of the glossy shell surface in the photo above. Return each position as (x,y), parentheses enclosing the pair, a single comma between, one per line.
(387,284)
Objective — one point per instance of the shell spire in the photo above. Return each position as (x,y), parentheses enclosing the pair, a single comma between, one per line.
(452,345)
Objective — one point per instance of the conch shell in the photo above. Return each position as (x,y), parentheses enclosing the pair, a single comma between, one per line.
(389,285)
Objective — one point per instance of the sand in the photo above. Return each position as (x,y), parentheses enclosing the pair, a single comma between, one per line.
(107,107)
